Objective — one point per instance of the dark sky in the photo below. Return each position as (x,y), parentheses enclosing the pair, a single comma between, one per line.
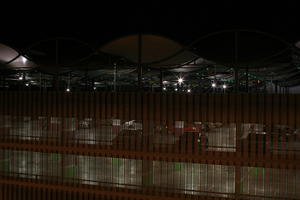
(183,22)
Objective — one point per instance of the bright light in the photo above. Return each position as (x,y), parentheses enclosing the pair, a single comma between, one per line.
(27,84)
(94,88)
(68,90)
(165,82)
(213,85)
(20,77)
(224,86)
(24,59)
(164,88)
(180,80)
(189,90)
(176,89)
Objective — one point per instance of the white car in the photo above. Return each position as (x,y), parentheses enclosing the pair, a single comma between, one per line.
(132,125)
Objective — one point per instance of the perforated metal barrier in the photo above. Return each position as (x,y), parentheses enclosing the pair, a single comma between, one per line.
(150,145)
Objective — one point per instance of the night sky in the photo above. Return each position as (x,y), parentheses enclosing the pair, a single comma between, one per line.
(98,24)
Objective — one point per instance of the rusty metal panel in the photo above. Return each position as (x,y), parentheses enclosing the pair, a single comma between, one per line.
(170,111)
(61,105)
(81,105)
(2,102)
(261,107)
(252,108)
(297,109)
(34,105)
(218,110)
(150,121)
(190,108)
(3,118)
(4,191)
(225,108)
(185,108)
(269,109)
(5,103)
(163,116)
(87,103)
(132,106)
(160,108)
(119,100)
(55,108)
(196,107)
(98,106)
(28,104)
(239,109)
(139,106)
(291,104)
(239,115)
(276,109)
(127,106)
(204,107)
(176,107)
(139,117)
(145,117)
(246,108)
(102,106)
(232,108)
(108,105)
(211,107)
(70,104)
(114,101)
(169,99)
(284,109)
(178,129)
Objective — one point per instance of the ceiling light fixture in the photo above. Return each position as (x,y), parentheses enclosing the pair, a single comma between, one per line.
(180,80)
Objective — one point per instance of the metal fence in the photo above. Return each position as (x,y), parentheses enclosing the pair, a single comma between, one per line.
(166,145)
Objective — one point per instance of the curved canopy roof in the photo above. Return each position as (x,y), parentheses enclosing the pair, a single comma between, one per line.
(156,51)
(243,47)
(211,57)
(13,59)
(7,54)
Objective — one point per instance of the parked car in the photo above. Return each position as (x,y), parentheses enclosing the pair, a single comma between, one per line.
(132,125)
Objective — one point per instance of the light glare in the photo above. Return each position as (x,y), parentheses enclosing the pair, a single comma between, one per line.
(24,59)
(180,80)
